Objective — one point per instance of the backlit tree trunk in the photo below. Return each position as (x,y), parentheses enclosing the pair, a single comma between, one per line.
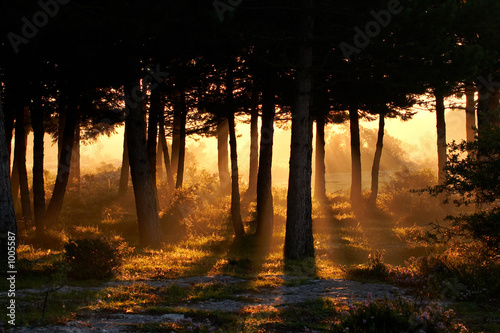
(64,166)
(320,169)
(8,224)
(376,160)
(74,173)
(182,139)
(254,148)
(470,111)
(154,111)
(124,172)
(166,155)
(265,211)
(144,193)
(239,231)
(20,154)
(222,156)
(441,135)
(355,157)
(38,177)
(299,242)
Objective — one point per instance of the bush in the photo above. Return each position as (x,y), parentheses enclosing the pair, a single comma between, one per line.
(407,207)
(398,316)
(376,269)
(91,258)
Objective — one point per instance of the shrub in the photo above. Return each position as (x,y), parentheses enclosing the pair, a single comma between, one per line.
(398,316)
(376,269)
(91,258)
(409,208)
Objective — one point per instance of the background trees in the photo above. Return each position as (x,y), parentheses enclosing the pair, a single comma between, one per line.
(84,72)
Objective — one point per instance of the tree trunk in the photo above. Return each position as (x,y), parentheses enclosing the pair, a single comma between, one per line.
(265,211)
(159,160)
(145,195)
(470,112)
(494,103)
(182,140)
(166,155)
(38,177)
(222,156)
(176,138)
(239,230)
(124,173)
(74,173)
(483,109)
(8,224)
(441,136)
(355,157)
(20,153)
(14,179)
(299,242)
(64,166)
(320,169)
(376,160)
(154,111)
(254,148)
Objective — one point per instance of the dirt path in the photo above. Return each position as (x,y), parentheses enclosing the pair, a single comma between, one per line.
(274,298)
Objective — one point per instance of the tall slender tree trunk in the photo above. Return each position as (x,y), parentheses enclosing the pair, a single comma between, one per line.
(154,111)
(483,109)
(470,112)
(441,135)
(176,138)
(355,157)
(182,140)
(299,242)
(494,103)
(376,160)
(166,155)
(159,160)
(144,193)
(75,172)
(64,166)
(8,223)
(239,230)
(222,156)
(38,177)
(14,179)
(124,172)
(20,153)
(265,211)
(254,147)
(320,169)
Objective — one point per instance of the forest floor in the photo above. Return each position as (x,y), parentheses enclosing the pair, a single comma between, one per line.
(294,292)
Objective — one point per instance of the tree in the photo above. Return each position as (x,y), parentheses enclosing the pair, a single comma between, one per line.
(8,224)
(235,190)
(144,191)
(299,243)
(265,212)
(37,115)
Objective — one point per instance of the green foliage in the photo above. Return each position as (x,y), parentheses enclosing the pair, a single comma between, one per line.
(456,276)
(397,316)
(473,171)
(376,269)
(407,207)
(91,258)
